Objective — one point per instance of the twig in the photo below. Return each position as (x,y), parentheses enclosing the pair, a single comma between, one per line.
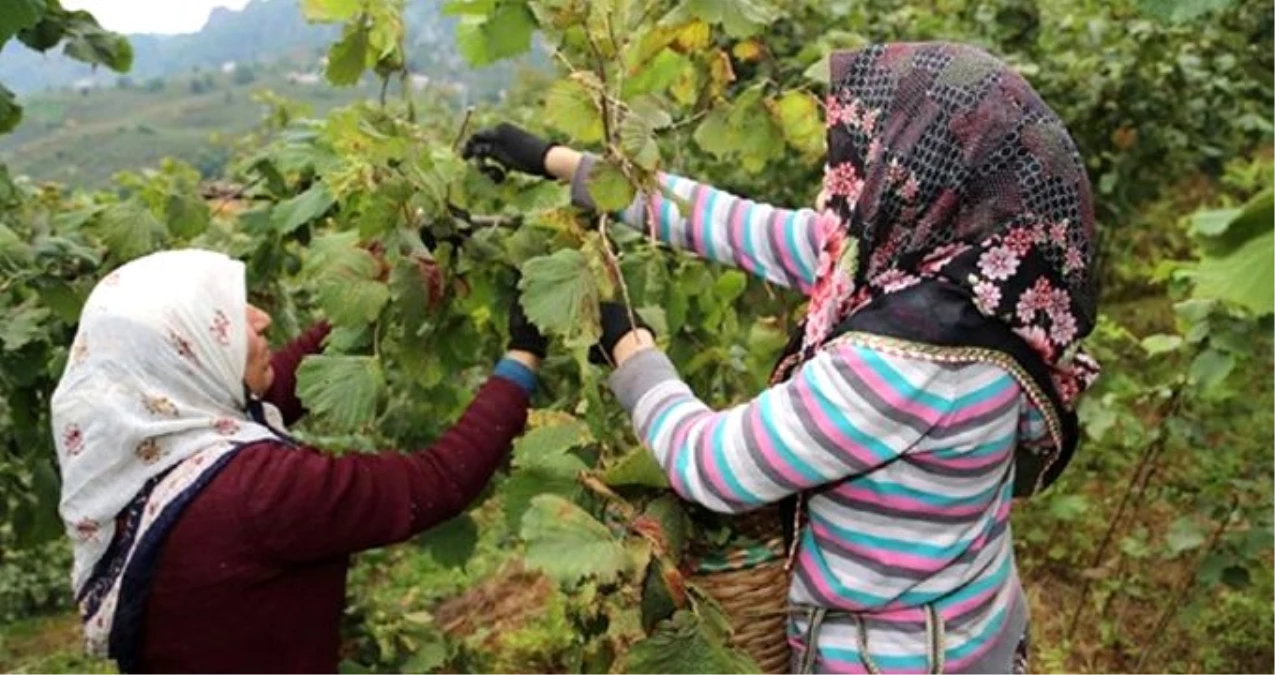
(603,100)
(595,485)
(493,221)
(222,202)
(464,127)
(1180,594)
(405,87)
(1145,464)
(613,266)
(1123,568)
(460,136)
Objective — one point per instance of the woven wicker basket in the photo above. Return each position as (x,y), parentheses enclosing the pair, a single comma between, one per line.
(753,591)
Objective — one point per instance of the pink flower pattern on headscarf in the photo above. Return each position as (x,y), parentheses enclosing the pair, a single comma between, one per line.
(944,164)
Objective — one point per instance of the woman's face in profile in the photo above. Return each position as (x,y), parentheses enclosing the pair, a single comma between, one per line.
(257,373)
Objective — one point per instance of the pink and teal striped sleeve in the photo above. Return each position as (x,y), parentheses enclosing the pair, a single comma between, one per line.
(846,412)
(779,245)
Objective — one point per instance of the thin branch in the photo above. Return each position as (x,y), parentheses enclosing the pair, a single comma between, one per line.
(1180,595)
(464,127)
(604,99)
(1145,466)
(596,486)
(385,87)
(234,196)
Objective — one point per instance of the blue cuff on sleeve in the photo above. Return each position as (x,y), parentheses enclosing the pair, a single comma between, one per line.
(518,373)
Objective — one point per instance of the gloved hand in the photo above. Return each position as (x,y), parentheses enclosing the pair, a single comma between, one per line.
(510,146)
(615,325)
(523,334)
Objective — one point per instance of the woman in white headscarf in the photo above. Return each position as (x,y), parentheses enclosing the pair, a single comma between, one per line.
(204,538)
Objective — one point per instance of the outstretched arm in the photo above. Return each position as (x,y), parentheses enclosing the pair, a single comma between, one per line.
(844,413)
(302,505)
(779,245)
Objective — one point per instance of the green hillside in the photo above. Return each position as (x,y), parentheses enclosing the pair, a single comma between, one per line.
(85,138)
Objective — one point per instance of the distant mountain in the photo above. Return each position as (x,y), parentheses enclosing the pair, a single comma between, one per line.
(263,31)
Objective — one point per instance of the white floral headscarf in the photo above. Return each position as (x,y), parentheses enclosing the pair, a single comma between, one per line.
(150,405)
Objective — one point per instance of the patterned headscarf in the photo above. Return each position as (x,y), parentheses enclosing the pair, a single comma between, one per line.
(944,164)
(151,404)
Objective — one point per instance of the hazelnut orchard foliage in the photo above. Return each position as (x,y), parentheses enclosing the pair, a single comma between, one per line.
(581,528)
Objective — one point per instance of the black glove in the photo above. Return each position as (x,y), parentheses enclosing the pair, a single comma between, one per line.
(615,325)
(523,335)
(511,147)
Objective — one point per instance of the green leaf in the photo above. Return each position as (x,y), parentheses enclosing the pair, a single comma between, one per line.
(343,391)
(1210,368)
(1068,508)
(471,41)
(19,15)
(754,135)
(570,108)
(1221,232)
(713,134)
(730,285)
(489,33)
(330,11)
(345,282)
(1178,11)
(554,476)
(187,215)
(660,74)
(637,467)
(129,230)
(657,600)
(63,298)
(86,41)
(1159,344)
(45,34)
(740,18)
(430,656)
(544,464)
(1097,417)
(560,296)
(798,115)
(551,441)
(637,141)
(348,57)
(509,30)
(569,544)
(22,326)
(609,188)
(296,211)
(1245,277)
(452,543)
(820,71)
(650,110)
(10,111)
(684,644)
(463,7)
(13,251)
(1184,535)
(1213,222)
(668,510)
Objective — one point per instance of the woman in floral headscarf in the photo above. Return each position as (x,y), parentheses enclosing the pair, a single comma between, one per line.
(950,271)
(206,539)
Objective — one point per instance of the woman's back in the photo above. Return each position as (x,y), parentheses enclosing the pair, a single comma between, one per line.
(930,527)
(908,469)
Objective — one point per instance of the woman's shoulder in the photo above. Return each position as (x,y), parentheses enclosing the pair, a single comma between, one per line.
(934,363)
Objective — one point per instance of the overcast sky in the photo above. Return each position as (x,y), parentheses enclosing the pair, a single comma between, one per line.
(152,16)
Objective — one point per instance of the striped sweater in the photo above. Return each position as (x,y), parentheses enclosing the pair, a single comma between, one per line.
(908,462)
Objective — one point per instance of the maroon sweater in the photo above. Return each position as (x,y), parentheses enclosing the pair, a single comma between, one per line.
(252,576)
